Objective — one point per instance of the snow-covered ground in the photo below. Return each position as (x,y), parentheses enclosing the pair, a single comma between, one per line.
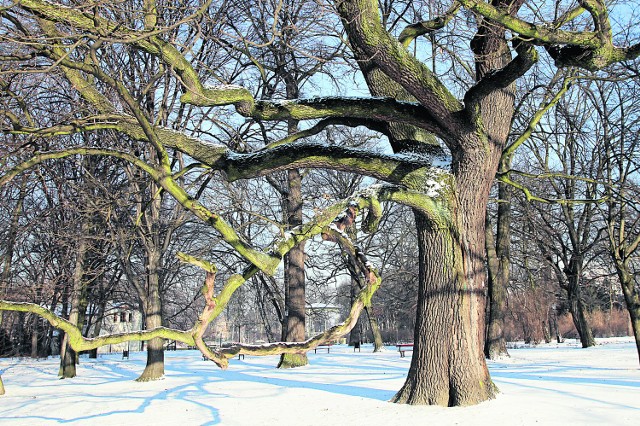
(545,385)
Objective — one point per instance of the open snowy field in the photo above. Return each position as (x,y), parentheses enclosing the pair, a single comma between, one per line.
(548,385)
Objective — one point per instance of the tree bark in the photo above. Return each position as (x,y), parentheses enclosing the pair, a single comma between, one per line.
(447,367)
(378,343)
(355,335)
(154,368)
(34,337)
(294,277)
(93,353)
(67,354)
(576,306)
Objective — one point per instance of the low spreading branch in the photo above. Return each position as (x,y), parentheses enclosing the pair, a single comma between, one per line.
(407,171)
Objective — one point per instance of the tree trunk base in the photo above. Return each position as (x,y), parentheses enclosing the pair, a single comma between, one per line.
(149,377)
(152,372)
(415,393)
(68,364)
(496,351)
(154,369)
(293,360)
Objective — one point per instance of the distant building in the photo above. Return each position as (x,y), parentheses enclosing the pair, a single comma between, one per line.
(121,318)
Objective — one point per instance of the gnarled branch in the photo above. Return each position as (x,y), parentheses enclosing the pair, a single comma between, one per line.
(413,31)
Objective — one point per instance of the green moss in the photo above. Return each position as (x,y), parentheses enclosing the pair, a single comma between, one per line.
(293,360)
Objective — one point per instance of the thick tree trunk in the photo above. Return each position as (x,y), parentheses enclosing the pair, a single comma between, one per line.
(355,336)
(448,367)
(294,277)
(154,368)
(498,261)
(632,300)
(67,361)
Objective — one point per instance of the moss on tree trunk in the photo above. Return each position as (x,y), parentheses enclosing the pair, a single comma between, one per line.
(293,360)
(378,344)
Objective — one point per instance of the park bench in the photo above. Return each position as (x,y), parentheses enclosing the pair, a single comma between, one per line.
(327,347)
(404,347)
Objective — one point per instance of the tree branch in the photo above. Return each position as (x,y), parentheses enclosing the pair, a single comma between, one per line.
(413,31)
(591,50)
(501,79)
(510,150)
(403,170)
(80,343)
(367,110)
(361,20)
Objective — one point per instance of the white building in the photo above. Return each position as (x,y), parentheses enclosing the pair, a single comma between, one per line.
(121,318)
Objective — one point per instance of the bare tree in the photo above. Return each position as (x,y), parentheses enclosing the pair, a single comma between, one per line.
(615,106)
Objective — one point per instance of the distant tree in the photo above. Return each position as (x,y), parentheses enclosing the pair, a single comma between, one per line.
(499,259)
(617,110)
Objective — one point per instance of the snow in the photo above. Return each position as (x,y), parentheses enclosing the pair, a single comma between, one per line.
(545,385)
(223,87)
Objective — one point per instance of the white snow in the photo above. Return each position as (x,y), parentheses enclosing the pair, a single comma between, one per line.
(546,385)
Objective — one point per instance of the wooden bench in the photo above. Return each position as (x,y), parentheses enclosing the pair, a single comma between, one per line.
(404,347)
(327,347)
